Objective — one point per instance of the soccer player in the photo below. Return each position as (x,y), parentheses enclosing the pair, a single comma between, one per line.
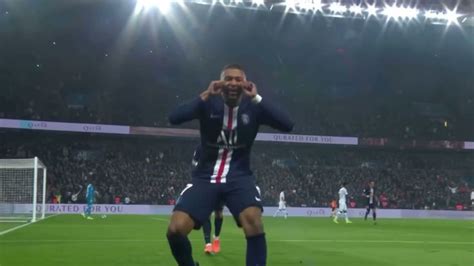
(342,204)
(90,193)
(281,205)
(230,113)
(369,193)
(215,246)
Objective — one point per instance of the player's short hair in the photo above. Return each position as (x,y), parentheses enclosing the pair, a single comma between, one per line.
(344,183)
(232,66)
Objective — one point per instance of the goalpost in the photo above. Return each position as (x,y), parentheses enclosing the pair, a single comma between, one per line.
(22,188)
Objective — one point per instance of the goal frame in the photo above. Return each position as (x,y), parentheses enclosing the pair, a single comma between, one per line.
(37,164)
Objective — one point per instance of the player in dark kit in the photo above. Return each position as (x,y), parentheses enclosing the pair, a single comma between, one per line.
(215,246)
(369,193)
(229,112)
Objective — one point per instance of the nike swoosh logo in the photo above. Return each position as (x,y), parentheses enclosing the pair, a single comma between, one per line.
(257,198)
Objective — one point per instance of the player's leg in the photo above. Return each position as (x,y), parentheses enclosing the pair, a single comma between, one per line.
(193,208)
(367,212)
(339,212)
(243,200)
(218,220)
(180,226)
(345,214)
(276,213)
(374,214)
(206,229)
(86,211)
(251,222)
(285,211)
(89,210)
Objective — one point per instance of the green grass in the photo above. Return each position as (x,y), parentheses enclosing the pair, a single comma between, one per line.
(140,240)
(7,225)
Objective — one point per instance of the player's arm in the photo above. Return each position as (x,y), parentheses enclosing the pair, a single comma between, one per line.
(365,194)
(269,114)
(191,110)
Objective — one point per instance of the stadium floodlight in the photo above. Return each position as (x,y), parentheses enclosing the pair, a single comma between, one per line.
(236,2)
(450,16)
(258,2)
(290,5)
(311,4)
(163,5)
(400,12)
(431,14)
(337,8)
(372,10)
(303,4)
(355,9)
(22,187)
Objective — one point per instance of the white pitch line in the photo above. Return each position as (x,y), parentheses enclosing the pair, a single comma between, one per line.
(23,225)
(415,242)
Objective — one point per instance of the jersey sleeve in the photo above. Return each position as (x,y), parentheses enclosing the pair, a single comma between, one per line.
(186,112)
(271,116)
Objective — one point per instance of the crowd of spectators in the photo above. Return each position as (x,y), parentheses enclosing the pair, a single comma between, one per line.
(334,78)
(154,171)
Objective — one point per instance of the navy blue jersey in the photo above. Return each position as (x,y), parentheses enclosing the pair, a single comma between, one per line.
(227,134)
(370,195)
(196,156)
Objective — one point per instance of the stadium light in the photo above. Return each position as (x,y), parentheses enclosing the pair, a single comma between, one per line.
(355,9)
(400,12)
(163,5)
(304,4)
(258,2)
(431,14)
(290,5)
(371,10)
(451,16)
(337,8)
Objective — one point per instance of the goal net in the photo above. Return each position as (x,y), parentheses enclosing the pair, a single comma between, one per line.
(22,190)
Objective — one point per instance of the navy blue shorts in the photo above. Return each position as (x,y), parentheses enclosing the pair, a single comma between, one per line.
(371,206)
(200,199)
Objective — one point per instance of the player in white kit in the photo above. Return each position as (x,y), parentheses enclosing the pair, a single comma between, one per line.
(342,211)
(281,205)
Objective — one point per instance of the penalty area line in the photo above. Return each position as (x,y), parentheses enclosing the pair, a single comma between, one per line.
(23,225)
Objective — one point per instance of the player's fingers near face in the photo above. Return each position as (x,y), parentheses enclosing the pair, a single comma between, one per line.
(250,88)
(215,87)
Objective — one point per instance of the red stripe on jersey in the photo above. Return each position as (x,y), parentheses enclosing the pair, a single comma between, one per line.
(226,151)
(221,166)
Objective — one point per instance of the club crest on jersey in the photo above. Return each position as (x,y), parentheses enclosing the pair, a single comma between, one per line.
(245,119)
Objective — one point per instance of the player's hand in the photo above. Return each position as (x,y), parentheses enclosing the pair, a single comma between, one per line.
(215,88)
(250,89)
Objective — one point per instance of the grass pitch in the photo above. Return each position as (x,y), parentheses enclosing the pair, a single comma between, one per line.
(140,240)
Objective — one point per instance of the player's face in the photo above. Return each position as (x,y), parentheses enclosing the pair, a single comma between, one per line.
(234,81)
(372,184)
